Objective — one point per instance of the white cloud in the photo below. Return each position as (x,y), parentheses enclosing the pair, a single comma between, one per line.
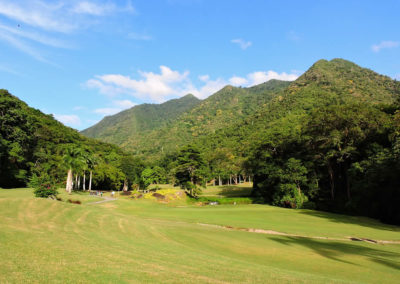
(34,36)
(204,78)
(210,87)
(91,8)
(79,108)
(167,84)
(107,111)
(242,43)
(259,77)
(68,119)
(22,46)
(38,14)
(154,87)
(384,45)
(44,21)
(238,81)
(123,104)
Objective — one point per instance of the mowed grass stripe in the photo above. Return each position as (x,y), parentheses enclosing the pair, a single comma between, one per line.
(78,243)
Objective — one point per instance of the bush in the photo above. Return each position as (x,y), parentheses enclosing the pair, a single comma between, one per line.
(43,186)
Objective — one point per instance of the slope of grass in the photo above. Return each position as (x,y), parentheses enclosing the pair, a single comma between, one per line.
(143,241)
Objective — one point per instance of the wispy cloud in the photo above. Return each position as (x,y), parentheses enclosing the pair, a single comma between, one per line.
(242,43)
(384,45)
(107,111)
(136,36)
(69,119)
(293,36)
(22,46)
(45,22)
(7,69)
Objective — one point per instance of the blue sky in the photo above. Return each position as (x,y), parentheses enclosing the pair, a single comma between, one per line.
(82,60)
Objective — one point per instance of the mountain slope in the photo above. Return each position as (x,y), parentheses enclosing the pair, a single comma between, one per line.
(130,123)
(33,142)
(198,118)
(326,82)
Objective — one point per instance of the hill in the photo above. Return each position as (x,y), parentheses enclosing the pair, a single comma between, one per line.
(32,142)
(131,123)
(222,109)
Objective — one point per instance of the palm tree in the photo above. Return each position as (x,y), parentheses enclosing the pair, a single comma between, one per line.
(73,159)
(91,162)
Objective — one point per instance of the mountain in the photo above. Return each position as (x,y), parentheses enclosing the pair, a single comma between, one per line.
(32,142)
(192,119)
(337,81)
(131,123)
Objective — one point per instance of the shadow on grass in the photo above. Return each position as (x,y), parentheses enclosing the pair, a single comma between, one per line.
(232,191)
(338,251)
(357,220)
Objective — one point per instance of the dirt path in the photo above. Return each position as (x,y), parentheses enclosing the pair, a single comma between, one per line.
(106,199)
(270,232)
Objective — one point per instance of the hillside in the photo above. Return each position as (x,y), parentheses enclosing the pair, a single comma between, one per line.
(131,123)
(32,142)
(224,108)
(325,83)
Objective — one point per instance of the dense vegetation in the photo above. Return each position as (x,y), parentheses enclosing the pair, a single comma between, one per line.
(127,127)
(193,119)
(329,140)
(34,145)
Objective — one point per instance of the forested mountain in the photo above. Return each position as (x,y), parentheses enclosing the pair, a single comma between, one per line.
(33,143)
(197,119)
(130,124)
(329,141)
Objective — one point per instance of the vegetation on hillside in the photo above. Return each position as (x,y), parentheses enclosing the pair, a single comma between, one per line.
(33,143)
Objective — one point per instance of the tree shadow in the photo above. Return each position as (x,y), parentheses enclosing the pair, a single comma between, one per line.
(233,191)
(348,219)
(336,250)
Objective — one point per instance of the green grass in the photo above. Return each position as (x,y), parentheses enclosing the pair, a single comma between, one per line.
(136,241)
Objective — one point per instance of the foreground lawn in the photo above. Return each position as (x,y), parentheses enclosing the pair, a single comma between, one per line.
(133,241)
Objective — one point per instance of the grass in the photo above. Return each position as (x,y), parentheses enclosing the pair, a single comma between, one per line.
(136,241)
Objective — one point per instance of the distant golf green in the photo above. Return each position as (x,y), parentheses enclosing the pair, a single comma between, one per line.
(136,241)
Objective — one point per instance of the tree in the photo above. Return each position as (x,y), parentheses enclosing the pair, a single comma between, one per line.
(190,169)
(73,159)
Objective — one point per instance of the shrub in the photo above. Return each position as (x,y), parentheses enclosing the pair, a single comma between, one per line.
(43,186)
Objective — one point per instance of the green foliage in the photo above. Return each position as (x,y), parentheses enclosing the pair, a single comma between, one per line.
(43,186)
(34,143)
(154,130)
(189,169)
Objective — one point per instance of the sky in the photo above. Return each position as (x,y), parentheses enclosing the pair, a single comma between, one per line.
(83,60)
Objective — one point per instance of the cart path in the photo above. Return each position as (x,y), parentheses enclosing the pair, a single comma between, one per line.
(106,199)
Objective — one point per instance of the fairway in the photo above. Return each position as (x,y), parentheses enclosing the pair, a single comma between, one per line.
(136,241)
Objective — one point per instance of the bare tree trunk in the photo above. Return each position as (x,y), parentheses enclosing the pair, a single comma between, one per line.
(69,184)
(76,180)
(79,182)
(219,180)
(125,188)
(239,179)
(214,182)
(84,181)
(331,180)
(90,181)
